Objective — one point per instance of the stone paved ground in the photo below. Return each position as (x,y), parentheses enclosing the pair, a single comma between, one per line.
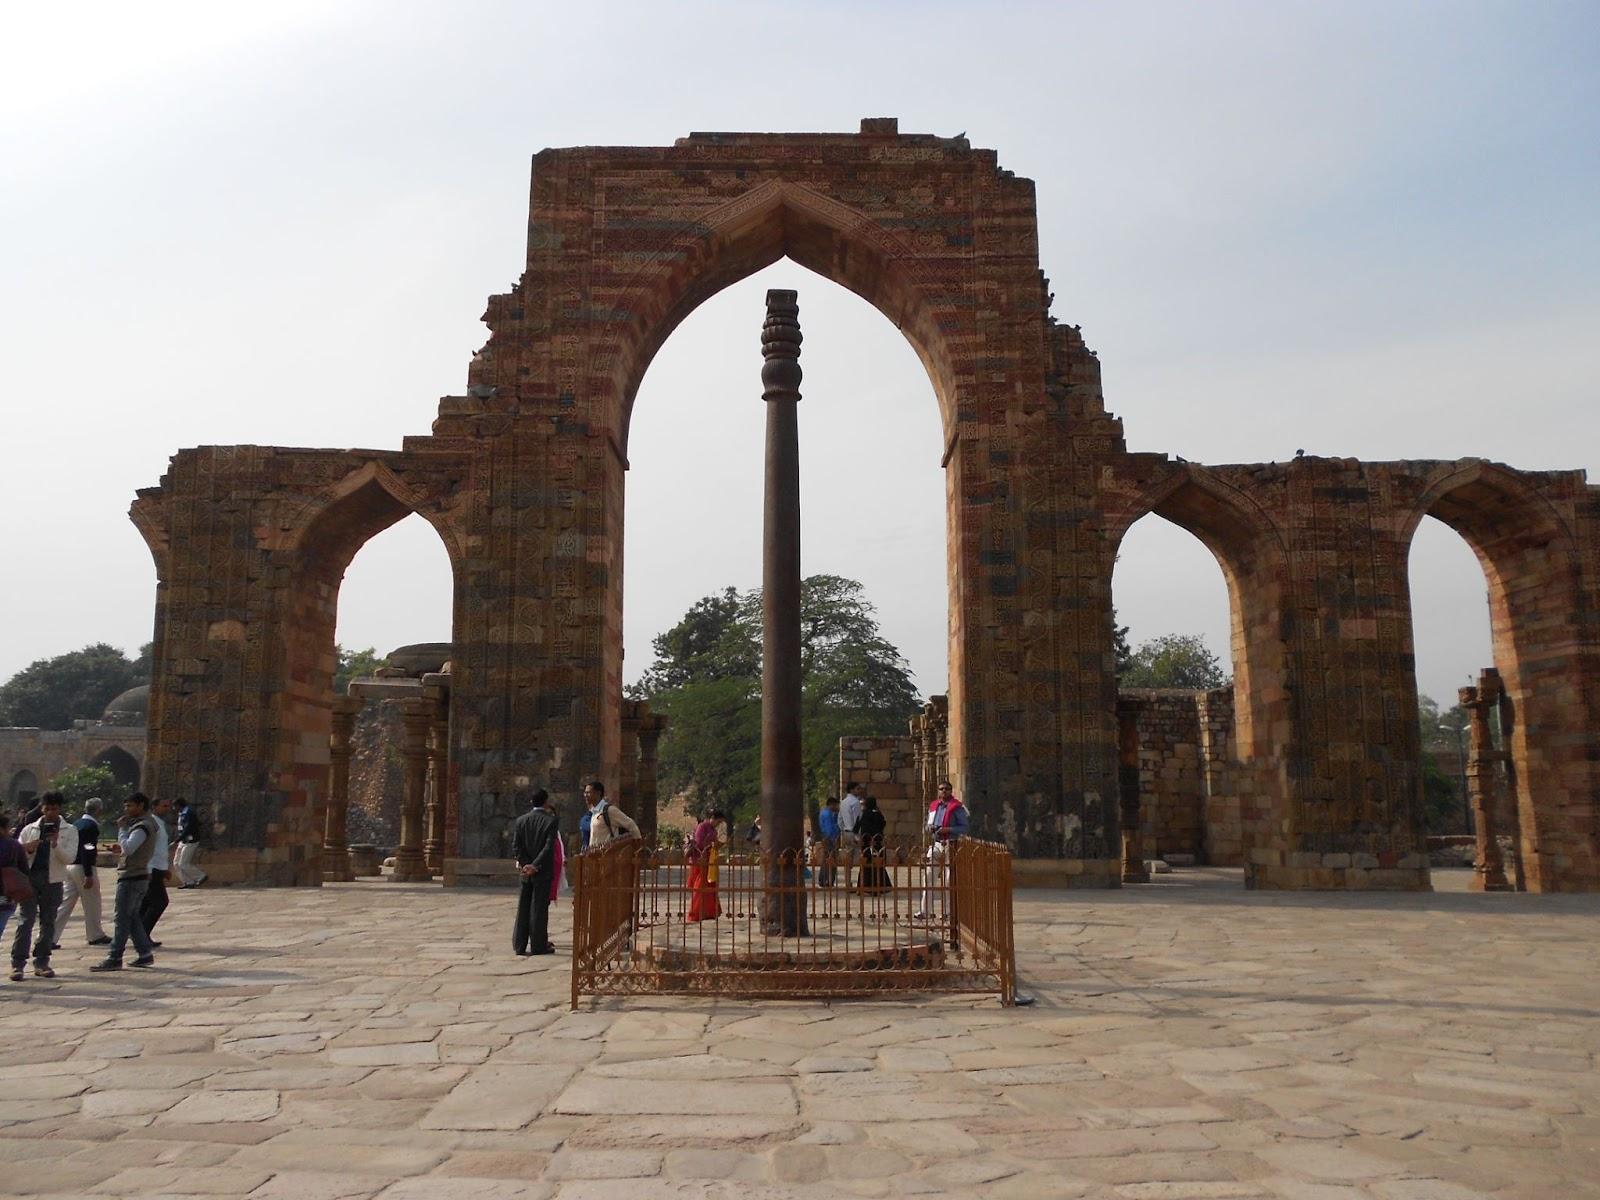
(1190,1040)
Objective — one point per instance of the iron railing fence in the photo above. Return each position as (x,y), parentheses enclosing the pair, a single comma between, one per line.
(646,920)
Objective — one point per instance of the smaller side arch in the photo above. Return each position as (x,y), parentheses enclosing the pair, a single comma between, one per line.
(24,785)
(1538,611)
(124,767)
(332,528)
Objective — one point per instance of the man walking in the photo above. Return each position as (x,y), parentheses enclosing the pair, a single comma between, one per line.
(155,898)
(51,846)
(183,866)
(83,883)
(946,825)
(136,834)
(533,841)
(606,820)
(849,817)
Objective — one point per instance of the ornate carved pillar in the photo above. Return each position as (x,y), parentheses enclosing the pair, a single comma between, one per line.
(651,727)
(1489,872)
(919,756)
(335,848)
(1128,787)
(417,717)
(438,775)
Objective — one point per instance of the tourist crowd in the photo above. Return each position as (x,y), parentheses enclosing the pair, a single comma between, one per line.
(848,831)
(50,867)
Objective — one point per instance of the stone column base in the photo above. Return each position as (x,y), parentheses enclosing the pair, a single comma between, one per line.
(1066,872)
(282,867)
(1279,877)
(410,869)
(480,872)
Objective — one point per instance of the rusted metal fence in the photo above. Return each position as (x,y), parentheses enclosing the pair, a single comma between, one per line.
(647,921)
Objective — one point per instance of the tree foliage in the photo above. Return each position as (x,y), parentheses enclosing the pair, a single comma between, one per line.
(1445,734)
(352,664)
(706,677)
(1119,644)
(52,693)
(77,784)
(1174,660)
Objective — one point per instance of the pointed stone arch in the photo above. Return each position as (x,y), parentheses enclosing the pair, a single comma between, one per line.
(1531,566)
(123,766)
(774,220)
(24,785)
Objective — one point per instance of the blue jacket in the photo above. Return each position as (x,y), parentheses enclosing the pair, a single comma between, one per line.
(828,823)
(958,821)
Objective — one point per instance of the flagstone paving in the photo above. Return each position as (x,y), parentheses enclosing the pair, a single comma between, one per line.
(1190,1040)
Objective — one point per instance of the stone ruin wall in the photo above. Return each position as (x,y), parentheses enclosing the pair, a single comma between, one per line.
(887,767)
(1189,783)
(45,753)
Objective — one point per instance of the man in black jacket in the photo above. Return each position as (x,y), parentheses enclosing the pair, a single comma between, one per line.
(533,842)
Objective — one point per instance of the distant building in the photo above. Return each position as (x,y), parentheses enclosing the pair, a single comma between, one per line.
(30,758)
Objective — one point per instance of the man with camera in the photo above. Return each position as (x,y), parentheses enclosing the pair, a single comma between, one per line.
(51,846)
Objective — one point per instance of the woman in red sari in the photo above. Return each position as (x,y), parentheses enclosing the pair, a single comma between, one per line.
(700,850)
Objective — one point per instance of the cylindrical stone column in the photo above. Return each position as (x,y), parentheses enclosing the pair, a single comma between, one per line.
(1129,784)
(438,754)
(335,847)
(782,802)
(416,717)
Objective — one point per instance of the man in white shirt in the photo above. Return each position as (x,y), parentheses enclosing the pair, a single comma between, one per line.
(606,820)
(849,816)
(51,846)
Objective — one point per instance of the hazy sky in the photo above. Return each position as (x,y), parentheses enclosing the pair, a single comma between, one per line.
(1364,229)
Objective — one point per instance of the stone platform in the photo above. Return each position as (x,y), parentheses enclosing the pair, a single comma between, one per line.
(1190,1040)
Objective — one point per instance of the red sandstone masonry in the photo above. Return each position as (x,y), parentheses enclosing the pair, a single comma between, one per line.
(524,476)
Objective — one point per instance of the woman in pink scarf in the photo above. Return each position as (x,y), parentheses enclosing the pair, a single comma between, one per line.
(700,849)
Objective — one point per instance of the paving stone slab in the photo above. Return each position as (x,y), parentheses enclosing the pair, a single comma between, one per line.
(498,1098)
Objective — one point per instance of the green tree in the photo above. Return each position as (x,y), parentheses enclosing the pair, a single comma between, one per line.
(352,664)
(1119,644)
(77,784)
(52,693)
(1175,660)
(712,641)
(1445,735)
(707,678)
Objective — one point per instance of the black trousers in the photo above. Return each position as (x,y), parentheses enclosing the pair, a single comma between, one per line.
(155,901)
(532,930)
(42,908)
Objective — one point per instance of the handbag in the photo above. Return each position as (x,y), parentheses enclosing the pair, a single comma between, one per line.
(16,886)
